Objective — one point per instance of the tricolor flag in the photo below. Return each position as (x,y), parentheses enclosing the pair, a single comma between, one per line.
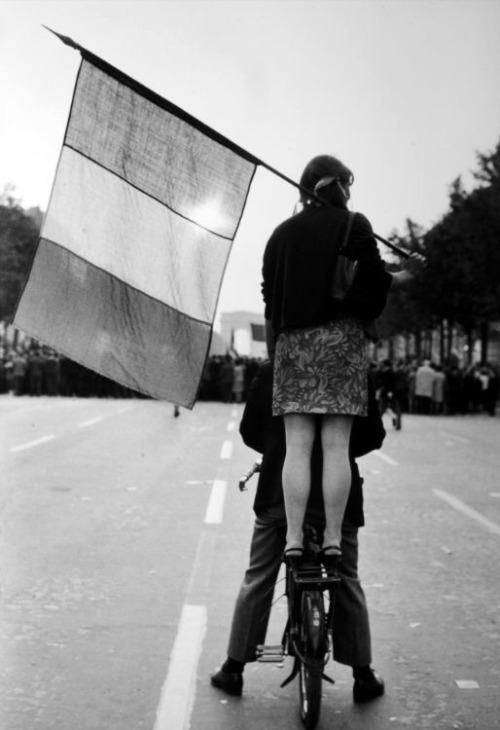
(258,332)
(145,205)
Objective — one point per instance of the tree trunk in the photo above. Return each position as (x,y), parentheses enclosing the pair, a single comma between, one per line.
(418,344)
(449,338)
(470,346)
(390,348)
(442,326)
(484,332)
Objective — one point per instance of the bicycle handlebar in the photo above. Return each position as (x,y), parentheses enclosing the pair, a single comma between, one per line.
(253,470)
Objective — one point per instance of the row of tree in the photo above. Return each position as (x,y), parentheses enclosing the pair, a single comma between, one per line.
(19,231)
(460,286)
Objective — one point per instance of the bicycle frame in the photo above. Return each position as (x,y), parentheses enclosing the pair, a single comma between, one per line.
(308,632)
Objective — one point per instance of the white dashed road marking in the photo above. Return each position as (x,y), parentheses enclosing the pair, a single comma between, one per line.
(227,450)
(30,444)
(90,422)
(387,459)
(177,695)
(466,510)
(449,435)
(215,508)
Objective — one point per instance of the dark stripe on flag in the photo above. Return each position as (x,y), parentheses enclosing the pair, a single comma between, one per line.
(112,328)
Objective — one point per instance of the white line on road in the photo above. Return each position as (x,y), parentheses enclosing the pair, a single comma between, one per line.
(231,426)
(227,450)
(387,459)
(177,697)
(90,422)
(125,409)
(29,444)
(199,580)
(466,510)
(462,439)
(215,508)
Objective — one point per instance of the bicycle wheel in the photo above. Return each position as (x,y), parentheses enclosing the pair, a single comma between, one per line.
(313,640)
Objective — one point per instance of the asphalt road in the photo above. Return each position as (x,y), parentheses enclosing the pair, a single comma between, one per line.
(124,539)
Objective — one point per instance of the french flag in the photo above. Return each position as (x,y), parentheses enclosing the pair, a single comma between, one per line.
(145,206)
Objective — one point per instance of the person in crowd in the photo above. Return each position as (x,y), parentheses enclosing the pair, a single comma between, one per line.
(454,390)
(318,342)
(9,372)
(4,385)
(401,388)
(412,377)
(52,373)
(19,370)
(226,380)
(472,390)
(352,644)
(438,390)
(206,382)
(491,395)
(389,394)
(424,385)
(239,381)
(35,372)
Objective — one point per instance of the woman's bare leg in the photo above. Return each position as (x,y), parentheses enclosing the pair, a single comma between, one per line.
(335,434)
(300,429)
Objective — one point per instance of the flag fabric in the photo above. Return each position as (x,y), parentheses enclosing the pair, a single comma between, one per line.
(145,205)
(258,332)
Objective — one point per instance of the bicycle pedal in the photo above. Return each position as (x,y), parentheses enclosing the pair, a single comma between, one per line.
(270,654)
(316,579)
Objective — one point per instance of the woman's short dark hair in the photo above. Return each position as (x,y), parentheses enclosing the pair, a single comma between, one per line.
(319,167)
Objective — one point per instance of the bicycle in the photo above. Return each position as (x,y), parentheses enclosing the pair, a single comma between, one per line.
(307,636)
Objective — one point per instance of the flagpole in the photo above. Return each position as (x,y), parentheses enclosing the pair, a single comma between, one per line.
(313,195)
(208,130)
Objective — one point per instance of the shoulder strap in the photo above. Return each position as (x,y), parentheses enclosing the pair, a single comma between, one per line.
(350,221)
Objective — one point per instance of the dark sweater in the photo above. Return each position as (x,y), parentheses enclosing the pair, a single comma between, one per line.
(265,433)
(298,266)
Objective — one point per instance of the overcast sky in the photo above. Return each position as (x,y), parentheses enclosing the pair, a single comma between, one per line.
(405,92)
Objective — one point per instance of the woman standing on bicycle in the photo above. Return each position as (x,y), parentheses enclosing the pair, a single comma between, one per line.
(318,343)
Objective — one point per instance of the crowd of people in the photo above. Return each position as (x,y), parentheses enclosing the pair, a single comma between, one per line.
(32,369)
(424,387)
(412,386)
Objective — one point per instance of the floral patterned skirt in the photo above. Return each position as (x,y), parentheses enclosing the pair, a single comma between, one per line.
(322,369)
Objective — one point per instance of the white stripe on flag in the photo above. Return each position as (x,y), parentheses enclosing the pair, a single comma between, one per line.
(145,245)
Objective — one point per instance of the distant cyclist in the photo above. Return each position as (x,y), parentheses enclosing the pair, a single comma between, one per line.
(392,390)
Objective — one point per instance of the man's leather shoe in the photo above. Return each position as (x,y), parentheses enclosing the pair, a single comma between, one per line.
(367,689)
(229,682)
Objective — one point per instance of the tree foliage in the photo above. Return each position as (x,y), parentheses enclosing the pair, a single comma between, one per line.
(461,282)
(18,236)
